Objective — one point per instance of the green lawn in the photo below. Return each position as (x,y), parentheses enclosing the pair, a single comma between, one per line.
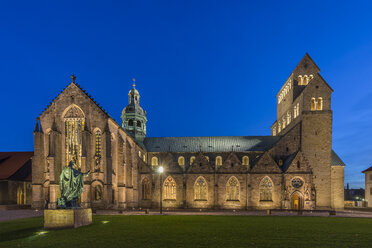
(194,231)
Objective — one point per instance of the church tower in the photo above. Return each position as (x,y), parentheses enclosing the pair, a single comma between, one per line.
(133,116)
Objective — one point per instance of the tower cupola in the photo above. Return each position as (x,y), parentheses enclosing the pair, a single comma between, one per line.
(133,116)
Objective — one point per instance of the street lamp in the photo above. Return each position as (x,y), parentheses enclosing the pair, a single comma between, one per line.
(160,171)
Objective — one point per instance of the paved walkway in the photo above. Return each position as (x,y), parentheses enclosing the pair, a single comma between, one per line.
(8,215)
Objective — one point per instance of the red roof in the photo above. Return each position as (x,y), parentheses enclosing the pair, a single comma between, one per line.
(11,162)
(369,169)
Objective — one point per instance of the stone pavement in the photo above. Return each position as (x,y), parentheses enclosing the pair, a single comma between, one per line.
(8,215)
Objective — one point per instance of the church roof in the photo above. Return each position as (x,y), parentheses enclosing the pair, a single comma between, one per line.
(336,160)
(210,144)
(15,165)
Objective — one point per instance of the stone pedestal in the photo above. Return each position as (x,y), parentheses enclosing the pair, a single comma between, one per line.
(67,218)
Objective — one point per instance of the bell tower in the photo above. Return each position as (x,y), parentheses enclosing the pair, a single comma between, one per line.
(133,116)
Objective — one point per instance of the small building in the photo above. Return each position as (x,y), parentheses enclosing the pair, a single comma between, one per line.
(15,178)
(368,186)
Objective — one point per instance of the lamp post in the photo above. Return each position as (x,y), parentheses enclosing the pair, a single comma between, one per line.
(160,171)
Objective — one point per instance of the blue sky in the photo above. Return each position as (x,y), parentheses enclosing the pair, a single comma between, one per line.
(203,68)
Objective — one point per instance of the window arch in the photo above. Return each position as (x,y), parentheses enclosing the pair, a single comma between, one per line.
(20,196)
(207,158)
(130,122)
(154,161)
(298,109)
(319,104)
(192,159)
(245,160)
(169,189)
(181,161)
(232,189)
(266,187)
(139,124)
(218,161)
(146,189)
(294,111)
(200,189)
(98,143)
(313,104)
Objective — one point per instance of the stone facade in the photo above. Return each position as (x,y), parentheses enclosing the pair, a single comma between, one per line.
(295,168)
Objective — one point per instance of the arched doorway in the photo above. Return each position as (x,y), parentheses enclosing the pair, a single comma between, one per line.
(296,202)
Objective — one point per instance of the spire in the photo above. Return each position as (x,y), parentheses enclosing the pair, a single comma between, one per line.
(37,129)
(73,77)
(134,83)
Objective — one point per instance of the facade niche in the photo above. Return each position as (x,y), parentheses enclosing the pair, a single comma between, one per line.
(154,161)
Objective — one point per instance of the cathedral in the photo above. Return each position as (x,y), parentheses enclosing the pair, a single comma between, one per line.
(294,168)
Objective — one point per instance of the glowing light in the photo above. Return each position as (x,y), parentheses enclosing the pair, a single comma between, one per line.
(161,169)
(41,233)
(105,221)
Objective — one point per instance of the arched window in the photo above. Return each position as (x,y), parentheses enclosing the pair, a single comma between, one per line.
(146,187)
(232,189)
(284,123)
(181,161)
(313,103)
(288,117)
(98,143)
(274,131)
(266,186)
(154,161)
(130,122)
(245,160)
(279,127)
(218,161)
(300,80)
(207,158)
(298,109)
(200,189)
(192,159)
(74,125)
(294,112)
(20,196)
(320,104)
(169,189)
(139,124)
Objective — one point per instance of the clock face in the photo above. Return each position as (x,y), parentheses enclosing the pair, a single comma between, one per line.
(297,183)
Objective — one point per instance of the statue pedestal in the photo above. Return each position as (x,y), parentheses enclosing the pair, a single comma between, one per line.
(67,218)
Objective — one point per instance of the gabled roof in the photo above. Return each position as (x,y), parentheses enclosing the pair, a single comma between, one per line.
(15,165)
(99,106)
(210,144)
(85,93)
(367,170)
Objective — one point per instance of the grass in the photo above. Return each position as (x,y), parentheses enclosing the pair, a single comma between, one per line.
(194,231)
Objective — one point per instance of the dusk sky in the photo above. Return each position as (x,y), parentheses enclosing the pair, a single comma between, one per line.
(203,68)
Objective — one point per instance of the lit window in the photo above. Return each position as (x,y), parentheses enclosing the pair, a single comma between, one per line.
(200,189)
(192,159)
(169,189)
(266,186)
(313,104)
(181,161)
(245,160)
(320,104)
(298,109)
(154,161)
(207,158)
(218,161)
(232,189)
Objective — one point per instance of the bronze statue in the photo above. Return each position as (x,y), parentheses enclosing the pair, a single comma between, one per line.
(71,185)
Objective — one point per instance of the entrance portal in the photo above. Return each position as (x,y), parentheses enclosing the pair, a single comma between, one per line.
(296,202)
